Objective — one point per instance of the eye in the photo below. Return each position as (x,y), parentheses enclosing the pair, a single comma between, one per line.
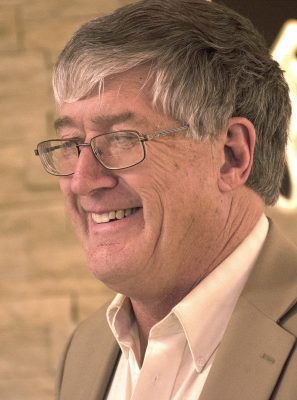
(69,133)
(124,140)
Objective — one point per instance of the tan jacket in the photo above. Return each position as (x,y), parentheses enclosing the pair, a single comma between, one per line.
(257,359)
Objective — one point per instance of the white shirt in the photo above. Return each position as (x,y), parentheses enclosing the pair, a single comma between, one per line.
(181,347)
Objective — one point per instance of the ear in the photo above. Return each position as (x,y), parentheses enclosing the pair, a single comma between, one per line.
(239,139)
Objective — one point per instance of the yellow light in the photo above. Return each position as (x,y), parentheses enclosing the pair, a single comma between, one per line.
(284,51)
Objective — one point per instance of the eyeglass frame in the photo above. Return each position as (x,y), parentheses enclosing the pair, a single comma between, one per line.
(142,139)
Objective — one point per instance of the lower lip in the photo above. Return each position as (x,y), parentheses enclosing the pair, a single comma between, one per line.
(131,221)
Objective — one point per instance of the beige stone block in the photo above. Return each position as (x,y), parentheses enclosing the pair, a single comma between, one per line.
(35,312)
(36,178)
(12,2)
(45,245)
(8,29)
(14,260)
(24,352)
(17,187)
(65,8)
(50,33)
(50,25)
(24,181)
(85,285)
(87,304)
(26,125)
(32,335)
(125,2)
(11,173)
(38,388)
(24,80)
(53,248)
(23,124)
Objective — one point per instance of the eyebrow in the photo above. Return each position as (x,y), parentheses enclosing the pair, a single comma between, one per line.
(62,122)
(109,120)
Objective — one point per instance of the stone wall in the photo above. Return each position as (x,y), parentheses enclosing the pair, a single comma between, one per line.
(45,286)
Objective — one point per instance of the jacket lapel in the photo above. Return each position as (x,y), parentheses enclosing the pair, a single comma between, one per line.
(255,347)
(104,373)
(251,356)
(89,361)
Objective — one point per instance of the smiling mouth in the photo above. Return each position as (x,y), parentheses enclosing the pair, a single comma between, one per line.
(113,215)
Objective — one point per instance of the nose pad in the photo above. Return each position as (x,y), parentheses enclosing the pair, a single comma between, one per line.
(90,175)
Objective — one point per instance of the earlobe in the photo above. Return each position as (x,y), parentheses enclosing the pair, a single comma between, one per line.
(238,150)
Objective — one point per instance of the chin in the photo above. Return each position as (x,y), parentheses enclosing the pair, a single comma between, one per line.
(107,269)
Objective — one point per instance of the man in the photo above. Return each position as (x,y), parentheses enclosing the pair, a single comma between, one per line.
(173,125)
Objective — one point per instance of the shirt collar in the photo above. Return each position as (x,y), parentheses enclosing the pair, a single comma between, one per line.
(212,301)
(122,324)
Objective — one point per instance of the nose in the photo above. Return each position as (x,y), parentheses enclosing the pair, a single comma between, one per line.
(90,175)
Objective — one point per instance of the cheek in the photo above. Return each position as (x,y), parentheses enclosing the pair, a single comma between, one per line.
(188,202)
(163,158)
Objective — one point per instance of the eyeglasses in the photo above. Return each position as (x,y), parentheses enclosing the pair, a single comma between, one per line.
(114,150)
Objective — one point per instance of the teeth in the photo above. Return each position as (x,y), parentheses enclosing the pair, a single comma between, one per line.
(100,218)
(128,212)
(120,214)
(111,215)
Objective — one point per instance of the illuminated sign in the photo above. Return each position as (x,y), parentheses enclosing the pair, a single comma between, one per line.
(284,51)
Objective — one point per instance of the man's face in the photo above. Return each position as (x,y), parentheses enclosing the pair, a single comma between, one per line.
(169,239)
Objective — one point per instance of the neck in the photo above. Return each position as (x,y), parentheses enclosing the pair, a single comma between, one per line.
(239,223)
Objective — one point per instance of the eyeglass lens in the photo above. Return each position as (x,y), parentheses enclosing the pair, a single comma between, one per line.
(118,149)
(114,150)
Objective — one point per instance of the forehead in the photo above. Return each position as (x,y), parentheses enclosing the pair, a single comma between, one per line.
(124,96)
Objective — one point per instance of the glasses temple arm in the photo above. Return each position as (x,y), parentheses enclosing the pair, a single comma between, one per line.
(162,133)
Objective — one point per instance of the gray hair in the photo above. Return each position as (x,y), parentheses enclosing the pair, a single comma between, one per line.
(208,64)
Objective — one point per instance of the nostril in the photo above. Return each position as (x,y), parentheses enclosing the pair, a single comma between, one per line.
(90,175)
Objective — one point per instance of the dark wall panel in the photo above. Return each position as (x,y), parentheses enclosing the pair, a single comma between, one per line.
(267,15)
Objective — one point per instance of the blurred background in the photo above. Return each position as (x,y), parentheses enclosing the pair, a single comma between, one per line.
(45,286)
